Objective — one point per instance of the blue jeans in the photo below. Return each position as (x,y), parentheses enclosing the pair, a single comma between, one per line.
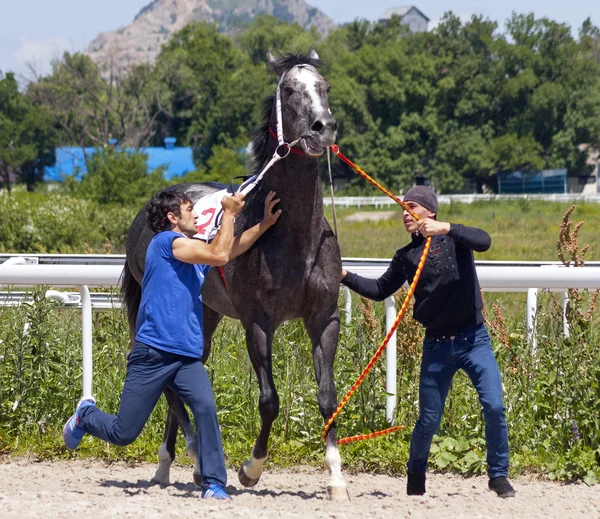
(149,371)
(442,358)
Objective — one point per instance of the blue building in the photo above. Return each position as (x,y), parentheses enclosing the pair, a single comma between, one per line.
(523,182)
(176,160)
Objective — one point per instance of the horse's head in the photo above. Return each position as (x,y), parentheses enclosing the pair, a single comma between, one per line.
(305,113)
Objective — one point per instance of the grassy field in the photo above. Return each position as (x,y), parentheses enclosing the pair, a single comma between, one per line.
(520,230)
(552,393)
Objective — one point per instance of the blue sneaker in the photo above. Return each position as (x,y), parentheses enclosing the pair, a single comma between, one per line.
(72,433)
(214,491)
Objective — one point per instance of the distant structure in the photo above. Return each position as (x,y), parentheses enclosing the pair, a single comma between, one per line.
(546,181)
(410,15)
(177,161)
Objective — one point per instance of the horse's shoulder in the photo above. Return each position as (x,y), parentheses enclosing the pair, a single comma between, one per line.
(197,190)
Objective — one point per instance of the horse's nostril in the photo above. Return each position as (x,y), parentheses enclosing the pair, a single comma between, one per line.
(317,126)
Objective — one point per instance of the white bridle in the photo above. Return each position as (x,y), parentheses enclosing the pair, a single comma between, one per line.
(283,149)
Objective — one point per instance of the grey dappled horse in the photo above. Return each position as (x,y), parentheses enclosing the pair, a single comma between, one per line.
(293,271)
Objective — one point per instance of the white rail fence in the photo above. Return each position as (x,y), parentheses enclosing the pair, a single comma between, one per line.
(20,271)
(385,201)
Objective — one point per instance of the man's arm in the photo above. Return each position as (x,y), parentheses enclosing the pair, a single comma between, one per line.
(243,242)
(218,252)
(470,237)
(376,289)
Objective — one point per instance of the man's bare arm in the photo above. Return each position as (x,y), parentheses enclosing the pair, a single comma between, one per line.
(220,250)
(243,242)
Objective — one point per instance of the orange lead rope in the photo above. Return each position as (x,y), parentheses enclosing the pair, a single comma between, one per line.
(379,351)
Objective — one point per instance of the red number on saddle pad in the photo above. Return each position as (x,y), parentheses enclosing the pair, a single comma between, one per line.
(202,226)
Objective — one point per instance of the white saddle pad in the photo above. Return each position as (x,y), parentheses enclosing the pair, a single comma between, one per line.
(210,213)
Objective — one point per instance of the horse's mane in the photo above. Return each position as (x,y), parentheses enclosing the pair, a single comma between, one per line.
(260,136)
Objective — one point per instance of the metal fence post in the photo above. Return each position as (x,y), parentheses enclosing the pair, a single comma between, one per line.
(531,318)
(565,304)
(390,361)
(86,327)
(348,305)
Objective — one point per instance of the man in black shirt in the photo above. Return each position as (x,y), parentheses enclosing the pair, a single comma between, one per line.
(448,304)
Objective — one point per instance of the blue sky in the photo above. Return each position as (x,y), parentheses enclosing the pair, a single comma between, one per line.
(35,31)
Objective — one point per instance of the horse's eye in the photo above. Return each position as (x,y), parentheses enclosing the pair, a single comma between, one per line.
(328,88)
(288,91)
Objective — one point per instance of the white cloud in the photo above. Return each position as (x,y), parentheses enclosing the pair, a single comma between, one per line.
(38,54)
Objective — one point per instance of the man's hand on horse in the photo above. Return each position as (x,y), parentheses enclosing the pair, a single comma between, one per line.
(430,227)
(271,217)
(233,204)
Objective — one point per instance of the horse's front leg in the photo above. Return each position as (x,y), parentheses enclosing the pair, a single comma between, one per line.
(324,329)
(259,338)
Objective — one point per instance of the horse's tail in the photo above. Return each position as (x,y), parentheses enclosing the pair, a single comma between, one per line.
(131,291)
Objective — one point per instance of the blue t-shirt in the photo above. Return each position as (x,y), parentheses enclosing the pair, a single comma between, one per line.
(170,314)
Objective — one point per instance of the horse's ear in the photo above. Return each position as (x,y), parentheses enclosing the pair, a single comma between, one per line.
(313,54)
(270,58)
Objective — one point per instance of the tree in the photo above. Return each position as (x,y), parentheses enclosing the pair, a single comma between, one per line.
(116,176)
(95,106)
(223,166)
(27,135)
(214,90)
(267,33)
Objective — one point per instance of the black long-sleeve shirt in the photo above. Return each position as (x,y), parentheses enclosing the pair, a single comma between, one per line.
(447,296)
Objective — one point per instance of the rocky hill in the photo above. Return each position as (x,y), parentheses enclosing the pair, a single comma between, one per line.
(140,41)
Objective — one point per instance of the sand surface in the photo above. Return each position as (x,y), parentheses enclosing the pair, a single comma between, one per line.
(95,490)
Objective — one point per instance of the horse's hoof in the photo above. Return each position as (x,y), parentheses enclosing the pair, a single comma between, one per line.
(243,477)
(157,480)
(338,493)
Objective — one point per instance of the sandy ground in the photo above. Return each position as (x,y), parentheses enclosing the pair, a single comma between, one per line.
(95,490)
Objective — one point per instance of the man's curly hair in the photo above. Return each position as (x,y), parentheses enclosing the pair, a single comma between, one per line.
(164,202)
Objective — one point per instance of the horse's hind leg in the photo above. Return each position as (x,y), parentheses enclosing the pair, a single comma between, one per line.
(166,453)
(176,415)
(259,342)
(324,329)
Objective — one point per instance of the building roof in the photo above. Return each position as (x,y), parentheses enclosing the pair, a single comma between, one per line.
(401,11)
(176,160)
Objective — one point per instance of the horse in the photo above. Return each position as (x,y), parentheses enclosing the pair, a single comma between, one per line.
(293,271)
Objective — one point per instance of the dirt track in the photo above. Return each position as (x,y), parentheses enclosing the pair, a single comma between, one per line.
(95,490)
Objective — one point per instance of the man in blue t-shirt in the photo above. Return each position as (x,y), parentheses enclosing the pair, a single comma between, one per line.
(169,338)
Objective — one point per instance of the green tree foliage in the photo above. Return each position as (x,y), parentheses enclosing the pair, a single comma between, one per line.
(267,33)
(116,176)
(27,135)
(94,105)
(62,224)
(455,105)
(222,166)
(213,90)
(464,101)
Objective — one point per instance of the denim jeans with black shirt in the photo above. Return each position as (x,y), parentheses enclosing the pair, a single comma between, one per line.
(449,305)
(443,356)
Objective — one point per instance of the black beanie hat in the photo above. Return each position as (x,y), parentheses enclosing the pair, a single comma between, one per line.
(422,195)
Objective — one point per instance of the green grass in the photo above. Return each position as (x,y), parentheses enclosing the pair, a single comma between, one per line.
(520,231)
(548,392)
(545,394)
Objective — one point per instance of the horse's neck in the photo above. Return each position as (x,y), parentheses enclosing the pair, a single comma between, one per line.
(297,182)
